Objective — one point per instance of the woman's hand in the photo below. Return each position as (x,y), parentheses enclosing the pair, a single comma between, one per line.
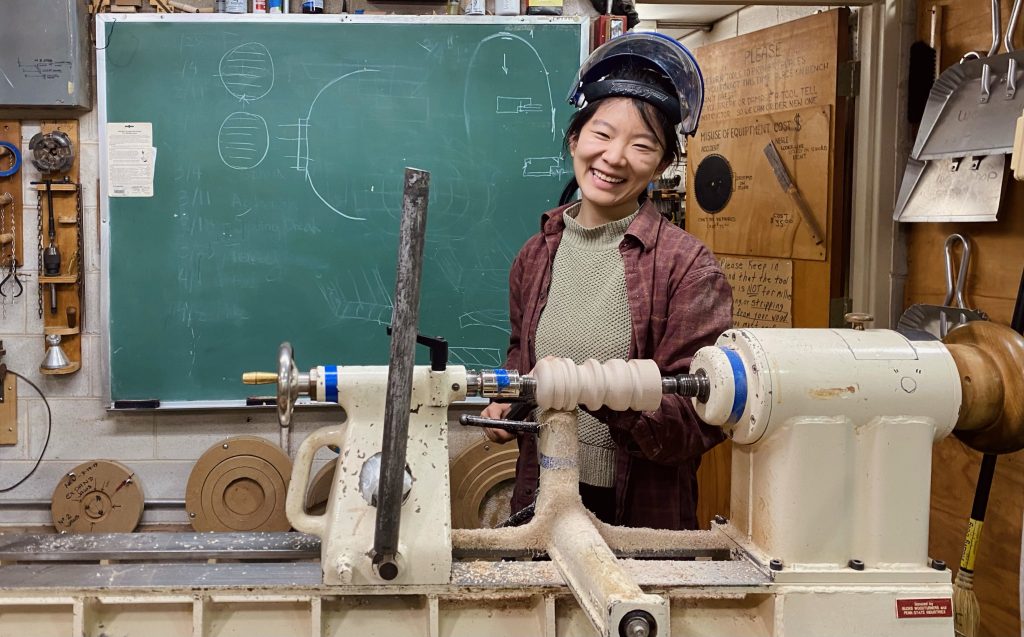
(497,411)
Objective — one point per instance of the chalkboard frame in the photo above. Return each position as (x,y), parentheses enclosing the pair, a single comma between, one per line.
(102,20)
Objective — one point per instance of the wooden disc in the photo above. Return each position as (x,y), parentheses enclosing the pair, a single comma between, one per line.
(239,484)
(320,489)
(99,496)
(482,477)
(1004,357)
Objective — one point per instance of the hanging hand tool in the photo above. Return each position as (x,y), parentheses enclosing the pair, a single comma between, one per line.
(786,182)
(12,276)
(51,255)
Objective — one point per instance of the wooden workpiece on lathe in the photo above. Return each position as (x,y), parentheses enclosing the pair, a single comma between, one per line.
(988,357)
(619,384)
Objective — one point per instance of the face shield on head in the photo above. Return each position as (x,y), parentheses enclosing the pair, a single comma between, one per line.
(654,51)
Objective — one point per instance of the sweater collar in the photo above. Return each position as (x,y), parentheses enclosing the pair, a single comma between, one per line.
(644,227)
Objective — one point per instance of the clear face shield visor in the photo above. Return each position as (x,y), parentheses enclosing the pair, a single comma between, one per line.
(655,51)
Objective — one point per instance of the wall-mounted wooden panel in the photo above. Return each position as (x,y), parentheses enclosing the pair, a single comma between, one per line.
(992,284)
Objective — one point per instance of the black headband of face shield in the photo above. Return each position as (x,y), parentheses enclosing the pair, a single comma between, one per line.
(654,96)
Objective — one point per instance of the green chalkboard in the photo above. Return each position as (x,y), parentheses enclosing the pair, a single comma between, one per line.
(280,151)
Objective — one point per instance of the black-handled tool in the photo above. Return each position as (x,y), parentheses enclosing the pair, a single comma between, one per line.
(51,255)
(511,426)
(512,423)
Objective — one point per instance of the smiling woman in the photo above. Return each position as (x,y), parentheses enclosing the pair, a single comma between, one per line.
(607,277)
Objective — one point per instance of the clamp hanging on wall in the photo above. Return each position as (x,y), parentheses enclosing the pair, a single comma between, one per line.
(11,225)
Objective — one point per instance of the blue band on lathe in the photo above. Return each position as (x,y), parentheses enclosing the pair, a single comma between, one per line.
(331,383)
(501,377)
(739,374)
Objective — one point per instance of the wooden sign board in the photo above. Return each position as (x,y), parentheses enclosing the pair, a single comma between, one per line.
(762,291)
(760,217)
(789,66)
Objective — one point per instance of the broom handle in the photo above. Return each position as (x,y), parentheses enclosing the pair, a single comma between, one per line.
(988,464)
(988,469)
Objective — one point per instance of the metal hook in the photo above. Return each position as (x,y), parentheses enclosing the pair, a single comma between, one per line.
(961,277)
(996,30)
(16,281)
(1011,27)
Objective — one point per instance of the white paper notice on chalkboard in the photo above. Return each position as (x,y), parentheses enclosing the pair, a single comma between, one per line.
(131,159)
(762,291)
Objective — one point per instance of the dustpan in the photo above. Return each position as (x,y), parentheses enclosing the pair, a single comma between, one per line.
(933,322)
(963,119)
(958,164)
(951,190)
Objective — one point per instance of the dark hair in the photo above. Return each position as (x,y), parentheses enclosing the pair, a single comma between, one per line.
(654,119)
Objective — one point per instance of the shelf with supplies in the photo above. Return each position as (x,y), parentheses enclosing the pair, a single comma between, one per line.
(59,226)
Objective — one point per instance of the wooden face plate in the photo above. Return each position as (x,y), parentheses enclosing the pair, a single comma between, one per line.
(99,496)
(239,484)
(476,474)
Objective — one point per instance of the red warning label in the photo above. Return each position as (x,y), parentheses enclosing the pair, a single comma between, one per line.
(912,608)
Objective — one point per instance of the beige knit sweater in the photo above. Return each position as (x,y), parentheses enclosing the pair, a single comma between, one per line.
(587,316)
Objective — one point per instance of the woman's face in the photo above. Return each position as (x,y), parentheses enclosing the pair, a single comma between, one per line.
(615,157)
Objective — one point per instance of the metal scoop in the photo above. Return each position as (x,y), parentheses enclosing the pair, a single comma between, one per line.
(928,322)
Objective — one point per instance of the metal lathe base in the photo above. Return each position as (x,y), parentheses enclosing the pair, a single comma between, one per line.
(270,585)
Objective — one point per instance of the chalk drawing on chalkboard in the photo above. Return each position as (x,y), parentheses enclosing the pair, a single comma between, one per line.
(476,356)
(243,140)
(494,319)
(301,139)
(506,39)
(367,300)
(516,105)
(543,167)
(247,71)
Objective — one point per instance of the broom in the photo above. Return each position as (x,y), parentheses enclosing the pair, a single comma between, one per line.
(966,612)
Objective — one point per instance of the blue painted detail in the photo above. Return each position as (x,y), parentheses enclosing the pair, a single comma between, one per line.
(555,462)
(739,375)
(331,383)
(501,377)
(16,164)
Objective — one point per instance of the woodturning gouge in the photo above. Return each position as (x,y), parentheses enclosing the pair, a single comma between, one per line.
(786,181)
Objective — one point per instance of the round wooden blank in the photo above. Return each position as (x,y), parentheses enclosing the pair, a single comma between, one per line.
(99,496)
(239,484)
(479,473)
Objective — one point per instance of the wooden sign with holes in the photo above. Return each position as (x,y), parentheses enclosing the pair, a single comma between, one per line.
(61,294)
(739,204)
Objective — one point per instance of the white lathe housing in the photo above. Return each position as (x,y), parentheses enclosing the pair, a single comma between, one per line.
(833,433)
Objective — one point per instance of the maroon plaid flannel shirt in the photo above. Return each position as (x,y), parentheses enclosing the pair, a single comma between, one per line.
(679,301)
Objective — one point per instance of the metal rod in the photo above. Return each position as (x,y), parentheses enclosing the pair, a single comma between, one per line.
(1011,26)
(400,370)
(995,28)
